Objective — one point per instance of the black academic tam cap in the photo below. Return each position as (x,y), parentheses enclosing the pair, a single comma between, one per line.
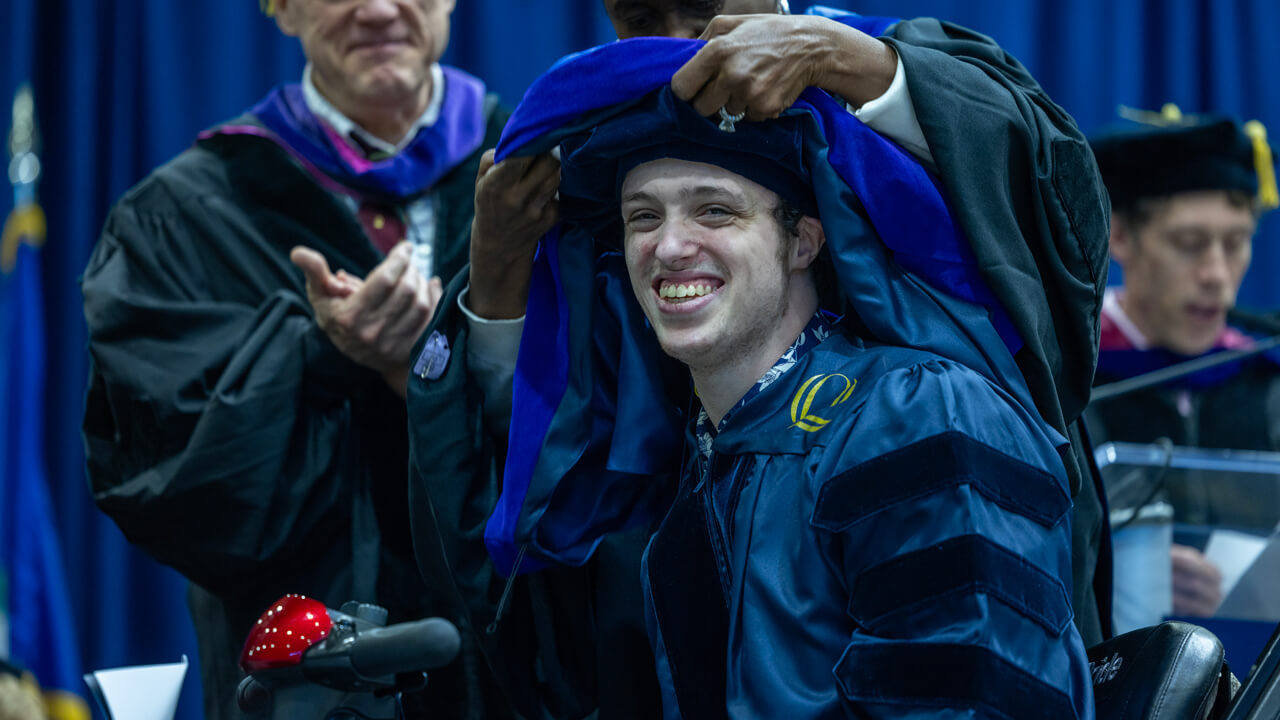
(1160,154)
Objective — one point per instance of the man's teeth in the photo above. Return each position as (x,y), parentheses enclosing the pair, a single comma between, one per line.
(684,291)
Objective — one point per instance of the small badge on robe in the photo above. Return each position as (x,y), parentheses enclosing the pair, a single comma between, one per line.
(435,356)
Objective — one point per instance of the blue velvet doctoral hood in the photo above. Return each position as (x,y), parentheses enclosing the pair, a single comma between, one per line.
(598,411)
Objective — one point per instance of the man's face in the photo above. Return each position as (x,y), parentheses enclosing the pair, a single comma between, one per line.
(675,18)
(1183,268)
(369,52)
(707,260)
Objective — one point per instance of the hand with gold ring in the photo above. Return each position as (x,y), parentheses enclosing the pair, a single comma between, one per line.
(763,62)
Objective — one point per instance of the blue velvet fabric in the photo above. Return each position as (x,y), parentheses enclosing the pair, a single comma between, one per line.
(434,151)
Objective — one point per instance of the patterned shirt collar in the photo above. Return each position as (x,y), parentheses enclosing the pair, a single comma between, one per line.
(362,139)
(818,329)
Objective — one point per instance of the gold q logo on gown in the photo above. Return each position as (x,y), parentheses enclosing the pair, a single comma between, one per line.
(803,402)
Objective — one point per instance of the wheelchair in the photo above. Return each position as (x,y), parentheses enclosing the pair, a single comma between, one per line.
(1176,671)
(306,660)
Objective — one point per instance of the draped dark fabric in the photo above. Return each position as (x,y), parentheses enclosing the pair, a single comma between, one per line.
(122,86)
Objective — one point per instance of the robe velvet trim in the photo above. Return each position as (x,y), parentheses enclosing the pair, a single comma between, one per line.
(432,153)
(960,567)
(689,604)
(946,676)
(900,476)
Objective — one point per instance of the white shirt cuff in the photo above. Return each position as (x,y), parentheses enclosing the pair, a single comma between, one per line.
(491,360)
(894,116)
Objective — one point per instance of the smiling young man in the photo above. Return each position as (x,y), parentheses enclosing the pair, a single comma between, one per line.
(251,306)
(1186,199)
(818,509)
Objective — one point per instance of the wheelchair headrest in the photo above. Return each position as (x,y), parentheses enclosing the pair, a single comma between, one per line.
(1171,670)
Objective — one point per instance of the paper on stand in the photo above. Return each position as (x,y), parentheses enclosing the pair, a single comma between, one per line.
(141,692)
(1233,552)
(1256,596)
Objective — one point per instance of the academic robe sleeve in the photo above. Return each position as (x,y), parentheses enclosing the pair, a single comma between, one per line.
(453,458)
(218,419)
(954,546)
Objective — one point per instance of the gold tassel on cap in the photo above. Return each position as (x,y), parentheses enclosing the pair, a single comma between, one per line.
(1268,196)
(268,6)
(1168,116)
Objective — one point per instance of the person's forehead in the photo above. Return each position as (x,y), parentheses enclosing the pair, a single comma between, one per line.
(742,7)
(688,175)
(1208,208)
(711,7)
(269,6)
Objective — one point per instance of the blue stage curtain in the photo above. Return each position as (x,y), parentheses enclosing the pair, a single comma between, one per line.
(121,86)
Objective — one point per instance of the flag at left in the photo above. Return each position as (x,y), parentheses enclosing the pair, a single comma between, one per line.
(36,622)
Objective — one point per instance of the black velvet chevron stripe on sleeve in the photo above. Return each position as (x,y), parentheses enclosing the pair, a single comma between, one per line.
(967,564)
(946,676)
(936,462)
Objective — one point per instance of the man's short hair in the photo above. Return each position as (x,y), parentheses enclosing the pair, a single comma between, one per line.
(788,217)
(822,270)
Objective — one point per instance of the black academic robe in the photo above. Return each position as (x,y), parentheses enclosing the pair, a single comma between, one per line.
(1022,180)
(225,434)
